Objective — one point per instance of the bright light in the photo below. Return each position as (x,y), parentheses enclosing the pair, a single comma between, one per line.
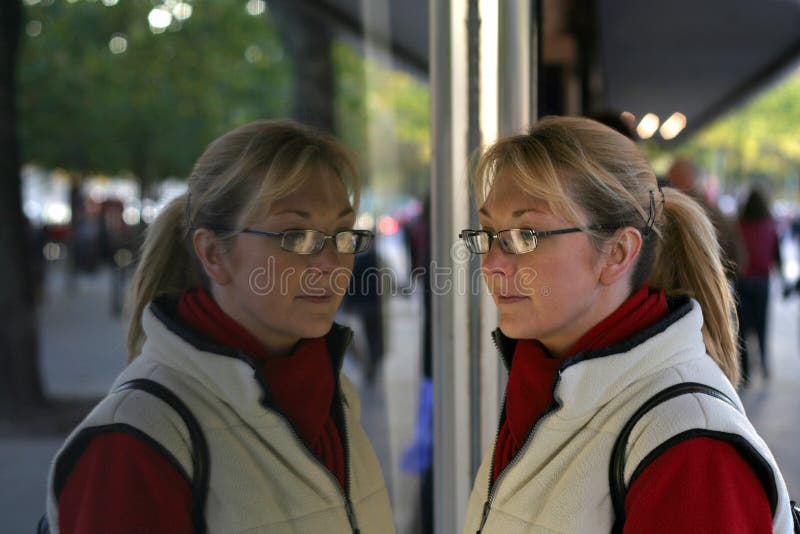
(365,220)
(182,11)
(31,2)
(673,125)
(118,44)
(256,7)
(57,213)
(33,28)
(131,215)
(388,225)
(253,54)
(149,212)
(648,126)
(159,20)
(489,42)
(110,3)
(54,251)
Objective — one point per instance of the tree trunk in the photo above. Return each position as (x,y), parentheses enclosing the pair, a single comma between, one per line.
(306,38)
(20,387)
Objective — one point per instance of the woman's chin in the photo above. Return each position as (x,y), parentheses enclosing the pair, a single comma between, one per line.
(317,328)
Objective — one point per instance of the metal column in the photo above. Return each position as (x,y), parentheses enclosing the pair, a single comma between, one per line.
(459,398)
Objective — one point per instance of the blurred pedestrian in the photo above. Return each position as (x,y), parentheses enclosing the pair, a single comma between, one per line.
(364,301)
(762,252)
(683,175)
(233,305)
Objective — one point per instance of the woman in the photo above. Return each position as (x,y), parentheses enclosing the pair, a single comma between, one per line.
(609,290)
(233,305)
(762,252)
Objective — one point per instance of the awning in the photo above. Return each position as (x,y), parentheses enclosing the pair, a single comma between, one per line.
(699,58)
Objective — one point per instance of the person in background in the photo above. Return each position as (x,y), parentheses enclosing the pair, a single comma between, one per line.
(364,300)
(683,175)
(762,251)
(610,290)
(233,304)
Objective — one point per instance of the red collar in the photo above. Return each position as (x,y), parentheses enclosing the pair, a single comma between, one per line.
(533,368)
(301,384)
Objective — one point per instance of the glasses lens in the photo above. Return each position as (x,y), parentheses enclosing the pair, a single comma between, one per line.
(517,240)
(477,241)
(353,241)
(302,241)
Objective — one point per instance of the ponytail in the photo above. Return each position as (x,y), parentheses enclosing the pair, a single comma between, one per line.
(165,265)
(688,262)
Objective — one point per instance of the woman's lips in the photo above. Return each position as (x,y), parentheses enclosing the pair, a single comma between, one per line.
(510,299)
(321,299)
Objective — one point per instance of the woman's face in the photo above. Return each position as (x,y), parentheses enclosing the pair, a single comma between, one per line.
(552,294)
(281,297)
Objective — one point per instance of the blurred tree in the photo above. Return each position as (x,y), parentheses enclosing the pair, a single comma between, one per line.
(307,38)
(101,91)
(19,372)
(396,98)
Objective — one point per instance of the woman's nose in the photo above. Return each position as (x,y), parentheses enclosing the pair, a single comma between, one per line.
(327,259)
(497,262)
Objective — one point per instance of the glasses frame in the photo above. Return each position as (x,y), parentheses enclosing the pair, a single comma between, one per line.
(534,233)
(367,233)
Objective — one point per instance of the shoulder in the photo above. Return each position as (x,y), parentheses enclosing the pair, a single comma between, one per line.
(135,413)
(713,426)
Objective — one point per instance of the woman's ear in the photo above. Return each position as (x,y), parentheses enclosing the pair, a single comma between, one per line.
(624,250)
(210,252)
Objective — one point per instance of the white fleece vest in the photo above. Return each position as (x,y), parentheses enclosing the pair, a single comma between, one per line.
(262,480)
(559,482)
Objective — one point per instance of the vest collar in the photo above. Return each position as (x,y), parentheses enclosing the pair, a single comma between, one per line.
(165,308)
(678,307)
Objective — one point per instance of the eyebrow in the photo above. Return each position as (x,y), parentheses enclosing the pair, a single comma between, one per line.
(307,214)
(514,214)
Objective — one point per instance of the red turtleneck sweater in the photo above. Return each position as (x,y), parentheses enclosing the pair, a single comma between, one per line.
(122,485)
(699,485)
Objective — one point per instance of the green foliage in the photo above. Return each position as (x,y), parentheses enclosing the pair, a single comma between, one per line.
(151,109)
(373,98)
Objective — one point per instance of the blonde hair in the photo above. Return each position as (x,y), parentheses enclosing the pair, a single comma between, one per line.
(590,174)
(234,181)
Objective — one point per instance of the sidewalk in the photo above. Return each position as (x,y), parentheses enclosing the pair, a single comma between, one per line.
(772,406)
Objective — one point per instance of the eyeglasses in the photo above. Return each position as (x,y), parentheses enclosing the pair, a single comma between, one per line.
(312,241)
(514,240)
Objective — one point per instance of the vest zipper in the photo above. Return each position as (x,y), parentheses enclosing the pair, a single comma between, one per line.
(348,504)
(345,493)
(339,399)
(493,487)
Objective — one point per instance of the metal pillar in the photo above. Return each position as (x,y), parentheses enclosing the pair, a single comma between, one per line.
(450,209)
(465,371)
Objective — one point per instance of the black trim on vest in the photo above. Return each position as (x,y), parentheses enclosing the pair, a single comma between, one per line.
(68,459)
(678,306)
(761,467)
(165,308)
(616,466)
(201,459)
